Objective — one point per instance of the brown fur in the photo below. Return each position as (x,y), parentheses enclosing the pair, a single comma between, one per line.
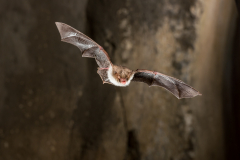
(120,72)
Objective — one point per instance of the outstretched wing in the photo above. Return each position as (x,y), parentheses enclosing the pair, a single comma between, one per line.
(87,46)
(175,86)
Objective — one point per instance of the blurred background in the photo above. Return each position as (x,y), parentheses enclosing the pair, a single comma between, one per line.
(53,105)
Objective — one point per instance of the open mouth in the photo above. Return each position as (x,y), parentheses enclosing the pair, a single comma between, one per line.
(123,81)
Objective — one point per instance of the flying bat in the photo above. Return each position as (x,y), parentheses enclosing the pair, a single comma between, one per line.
(119,75)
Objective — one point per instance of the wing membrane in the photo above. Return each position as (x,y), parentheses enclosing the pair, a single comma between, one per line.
(177,87)
(87,46)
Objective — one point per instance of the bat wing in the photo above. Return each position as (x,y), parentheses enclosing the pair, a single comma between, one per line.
(87,46)
(175,86)
(103,73)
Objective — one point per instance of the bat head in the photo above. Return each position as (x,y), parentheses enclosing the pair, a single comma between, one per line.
(121,74)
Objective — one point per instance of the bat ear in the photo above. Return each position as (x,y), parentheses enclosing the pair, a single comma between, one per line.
(65,30)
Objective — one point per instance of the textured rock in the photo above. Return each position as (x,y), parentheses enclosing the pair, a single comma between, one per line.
(40,78)
(212,75)
(156,35)
(53,104)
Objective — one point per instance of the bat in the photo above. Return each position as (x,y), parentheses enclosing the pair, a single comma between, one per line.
(119,75)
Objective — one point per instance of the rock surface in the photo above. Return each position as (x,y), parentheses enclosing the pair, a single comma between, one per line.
(53,104)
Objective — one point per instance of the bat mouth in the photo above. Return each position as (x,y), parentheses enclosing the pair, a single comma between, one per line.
(123,81)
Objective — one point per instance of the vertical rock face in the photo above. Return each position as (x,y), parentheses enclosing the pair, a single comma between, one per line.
(212,75)
(178,38)
(41,78)
(160,36)
(53,104)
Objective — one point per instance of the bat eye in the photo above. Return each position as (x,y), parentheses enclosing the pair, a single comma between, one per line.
(115,72)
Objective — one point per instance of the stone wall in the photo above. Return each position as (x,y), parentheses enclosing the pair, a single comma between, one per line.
(53,104)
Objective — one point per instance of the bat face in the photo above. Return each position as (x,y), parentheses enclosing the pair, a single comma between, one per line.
(120,76)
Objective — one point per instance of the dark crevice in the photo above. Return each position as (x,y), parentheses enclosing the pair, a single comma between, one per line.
(231,98)
(133,152)
(123,111)
(132,149)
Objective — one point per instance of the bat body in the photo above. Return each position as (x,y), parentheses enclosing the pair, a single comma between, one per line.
(119,75)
